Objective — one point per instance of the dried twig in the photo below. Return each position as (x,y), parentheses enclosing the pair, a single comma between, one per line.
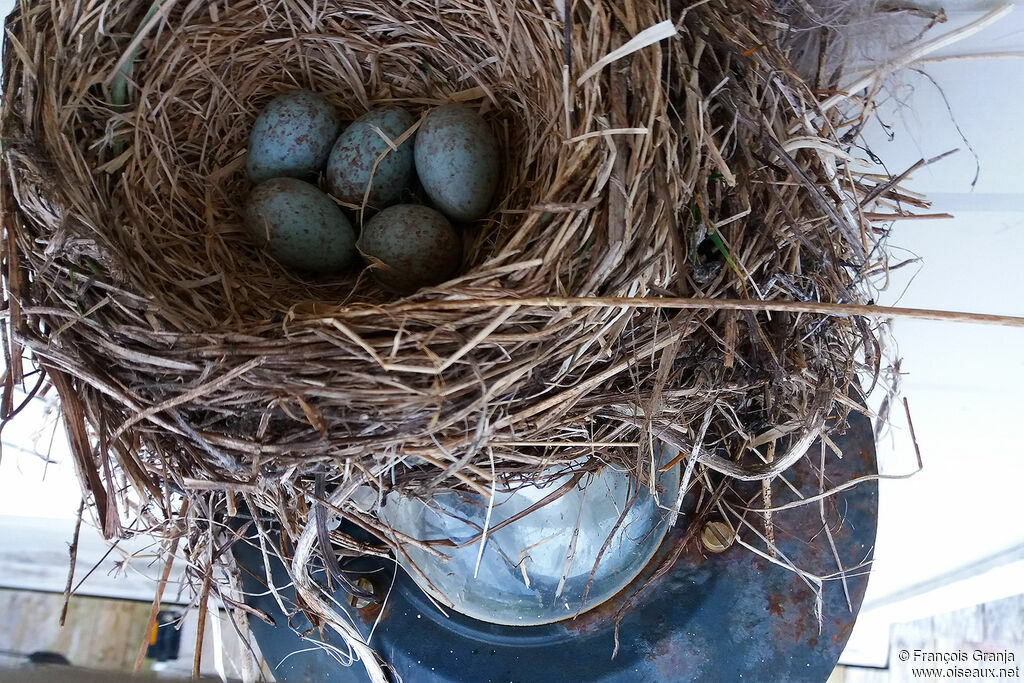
(73,552)
(155,609)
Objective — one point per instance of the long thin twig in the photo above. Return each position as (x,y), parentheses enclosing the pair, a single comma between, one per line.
(73,552)
(674,303)
(161,585)
(155,609)
(204,599)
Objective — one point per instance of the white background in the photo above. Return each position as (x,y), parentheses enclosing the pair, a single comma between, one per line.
(956,527)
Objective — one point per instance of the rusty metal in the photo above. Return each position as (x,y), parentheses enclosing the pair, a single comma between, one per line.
(723,616)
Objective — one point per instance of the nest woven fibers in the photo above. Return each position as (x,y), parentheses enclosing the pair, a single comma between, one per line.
(657,158)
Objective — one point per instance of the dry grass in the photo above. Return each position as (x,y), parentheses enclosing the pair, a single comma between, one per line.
(698,168)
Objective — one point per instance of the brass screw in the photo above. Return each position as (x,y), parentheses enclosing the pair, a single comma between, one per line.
(357,602)
(717,536)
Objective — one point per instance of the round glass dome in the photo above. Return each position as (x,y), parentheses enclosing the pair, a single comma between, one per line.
(536,569)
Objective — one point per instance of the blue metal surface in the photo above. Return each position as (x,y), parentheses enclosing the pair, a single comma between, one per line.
(725,617)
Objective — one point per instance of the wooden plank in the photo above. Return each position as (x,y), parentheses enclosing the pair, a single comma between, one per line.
(96,634)
(103,634)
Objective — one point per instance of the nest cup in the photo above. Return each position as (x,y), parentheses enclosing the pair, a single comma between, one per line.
(188,360)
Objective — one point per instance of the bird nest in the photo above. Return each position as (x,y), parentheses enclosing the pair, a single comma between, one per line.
(670,185)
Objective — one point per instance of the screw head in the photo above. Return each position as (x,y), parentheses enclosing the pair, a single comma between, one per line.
(717,536)
(356,601)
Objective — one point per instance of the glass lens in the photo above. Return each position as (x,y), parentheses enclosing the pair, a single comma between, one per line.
(551,563)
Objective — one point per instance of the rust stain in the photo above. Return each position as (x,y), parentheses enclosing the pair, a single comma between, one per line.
(867,458)
(843,629)
(599,616)
(605,613)
(368,615)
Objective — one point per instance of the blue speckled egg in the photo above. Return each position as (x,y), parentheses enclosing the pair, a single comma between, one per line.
(300,226)
(292,137)
(350,165)
(457,161)
(410,246)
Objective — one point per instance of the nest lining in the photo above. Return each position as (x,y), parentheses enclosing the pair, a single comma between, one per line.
(197,364)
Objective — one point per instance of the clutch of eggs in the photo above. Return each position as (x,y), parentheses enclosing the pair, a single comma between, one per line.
(372,164)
